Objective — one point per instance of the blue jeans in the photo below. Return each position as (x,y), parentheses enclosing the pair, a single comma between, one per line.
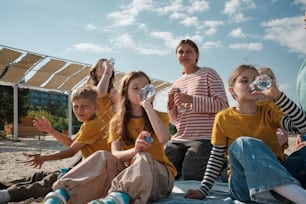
(255,171)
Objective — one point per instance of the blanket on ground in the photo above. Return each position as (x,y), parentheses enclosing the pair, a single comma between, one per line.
(218,195)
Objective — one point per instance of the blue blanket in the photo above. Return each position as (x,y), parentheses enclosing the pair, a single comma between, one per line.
(218,194)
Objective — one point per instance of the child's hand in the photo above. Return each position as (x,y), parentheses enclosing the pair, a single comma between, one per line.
(36,160)
(43,124)
(181,98)
(141,143)
(194,194)
(299,142)
(147,103)
(108,68)
(272,92)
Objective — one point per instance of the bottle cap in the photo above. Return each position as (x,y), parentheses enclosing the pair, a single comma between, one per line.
(64,169)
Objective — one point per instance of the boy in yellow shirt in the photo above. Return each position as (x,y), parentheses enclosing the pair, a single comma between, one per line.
(91,137)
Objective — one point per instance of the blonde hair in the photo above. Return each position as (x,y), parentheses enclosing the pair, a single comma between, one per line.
(236,72)
(86,92)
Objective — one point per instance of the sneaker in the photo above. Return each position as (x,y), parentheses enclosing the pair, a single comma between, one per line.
(113,198)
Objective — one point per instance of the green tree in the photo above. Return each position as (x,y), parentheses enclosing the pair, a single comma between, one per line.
(7,104)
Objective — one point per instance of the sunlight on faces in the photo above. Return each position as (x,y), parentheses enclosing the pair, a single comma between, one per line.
(84,109)
(186,54)
(240,90)
(134,88)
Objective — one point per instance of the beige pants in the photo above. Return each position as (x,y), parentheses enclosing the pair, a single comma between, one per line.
(101,173)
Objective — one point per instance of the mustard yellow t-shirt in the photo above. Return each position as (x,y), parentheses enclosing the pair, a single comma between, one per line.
(94,134)
(262,125)
(105,108)
(273,105)
(135,126)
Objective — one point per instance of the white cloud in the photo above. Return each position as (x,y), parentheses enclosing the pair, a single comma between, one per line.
(288,32)
(167,37)
(212,27)
(151,51)
(197,6)
(143,26)
(237,33)
(211,44)
(125,40)
(90,27)
(89,47)
(246,46)
(175,7)
(190,21)
(177,15)
(303,2)
(233,8)
(127,16)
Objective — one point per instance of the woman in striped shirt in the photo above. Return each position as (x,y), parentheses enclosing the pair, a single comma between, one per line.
(247,135)
(193,101)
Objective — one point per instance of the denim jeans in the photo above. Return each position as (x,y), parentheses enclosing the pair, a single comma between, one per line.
(255,171)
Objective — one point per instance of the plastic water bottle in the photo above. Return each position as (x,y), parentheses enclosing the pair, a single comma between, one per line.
(111,61)
(262,82)
(63,170)
(180,108)
(147,91)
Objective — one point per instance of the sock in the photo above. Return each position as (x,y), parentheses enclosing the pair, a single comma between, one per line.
(57,196)
(102,201)
(4,196)
(292,192)
(113,198)
(119,197)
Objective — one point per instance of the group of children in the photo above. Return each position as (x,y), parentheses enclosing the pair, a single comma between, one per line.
(123,146)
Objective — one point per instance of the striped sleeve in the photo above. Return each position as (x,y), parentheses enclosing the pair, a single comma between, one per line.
(212,97)
(295,119)
(214,165)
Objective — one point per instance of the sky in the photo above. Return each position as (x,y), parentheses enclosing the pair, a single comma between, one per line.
(143,34)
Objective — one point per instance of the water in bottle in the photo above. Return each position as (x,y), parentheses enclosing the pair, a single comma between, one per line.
(147,91)
(262,82)
(180,108)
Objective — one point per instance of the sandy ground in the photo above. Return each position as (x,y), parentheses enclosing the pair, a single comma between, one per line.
(13,159)
(13,163)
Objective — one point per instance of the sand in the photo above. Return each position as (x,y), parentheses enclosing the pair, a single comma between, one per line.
(13,163)
(13,159)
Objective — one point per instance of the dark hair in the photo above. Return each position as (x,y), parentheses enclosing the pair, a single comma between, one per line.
(93,80)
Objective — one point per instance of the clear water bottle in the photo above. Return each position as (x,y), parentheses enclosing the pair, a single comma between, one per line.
(111,61)
(63,170)
(262,82)
(181,107)
(147,91)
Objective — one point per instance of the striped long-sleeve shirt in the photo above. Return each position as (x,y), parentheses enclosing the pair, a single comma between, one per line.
(209,97)
(230,125)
